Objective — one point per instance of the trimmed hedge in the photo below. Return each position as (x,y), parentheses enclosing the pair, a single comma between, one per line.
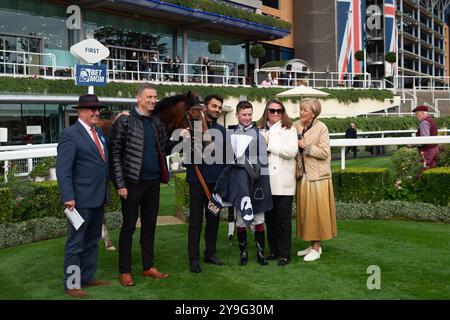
(360,184)
(393,210)
(7,204)
(181,196)
(128,90)
(436,183)
(42,201)
(13,234)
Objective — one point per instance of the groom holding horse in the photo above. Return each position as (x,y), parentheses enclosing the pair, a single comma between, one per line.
(209,172)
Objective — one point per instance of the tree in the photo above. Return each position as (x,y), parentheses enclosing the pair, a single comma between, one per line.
(257,52)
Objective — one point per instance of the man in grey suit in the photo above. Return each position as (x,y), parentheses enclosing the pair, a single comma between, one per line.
(82,172)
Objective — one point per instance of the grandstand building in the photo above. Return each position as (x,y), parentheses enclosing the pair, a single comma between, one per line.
(36,36)
(330,32)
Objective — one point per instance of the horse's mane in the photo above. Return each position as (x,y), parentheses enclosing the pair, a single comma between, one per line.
(190,100)
(168,102)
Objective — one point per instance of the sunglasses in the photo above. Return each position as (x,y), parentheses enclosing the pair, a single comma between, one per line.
(273,111)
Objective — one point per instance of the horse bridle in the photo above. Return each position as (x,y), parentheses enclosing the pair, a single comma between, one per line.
(194,147)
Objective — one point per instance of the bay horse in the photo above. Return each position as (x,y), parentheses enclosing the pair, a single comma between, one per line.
(176,112)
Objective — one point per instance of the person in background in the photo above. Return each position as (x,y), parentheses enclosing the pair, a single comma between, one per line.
(176,68)
(316,210)
(427,127)
(351,134)
(282,149)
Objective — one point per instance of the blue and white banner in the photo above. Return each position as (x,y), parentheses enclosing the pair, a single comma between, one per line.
(90,75)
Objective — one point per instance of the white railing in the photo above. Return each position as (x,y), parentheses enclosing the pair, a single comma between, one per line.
(343,143)
(314,79)
(31,153)
(130,70)
(383,133)
(25,64)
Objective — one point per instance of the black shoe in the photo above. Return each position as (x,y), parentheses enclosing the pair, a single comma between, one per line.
(194,266)
(243,259)
(284,261)
(214,260)
(272,257)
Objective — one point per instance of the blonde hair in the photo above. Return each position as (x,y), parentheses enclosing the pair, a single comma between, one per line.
(313,104)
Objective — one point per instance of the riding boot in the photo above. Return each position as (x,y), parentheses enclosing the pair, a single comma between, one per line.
(242,240)
(259,237)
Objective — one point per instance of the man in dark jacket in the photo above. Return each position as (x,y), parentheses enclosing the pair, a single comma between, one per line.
(82,171)
(351,134)
(199,200)
(139,145)
(427,127)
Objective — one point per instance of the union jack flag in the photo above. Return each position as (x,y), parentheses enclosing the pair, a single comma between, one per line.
(350,14)
(390,35)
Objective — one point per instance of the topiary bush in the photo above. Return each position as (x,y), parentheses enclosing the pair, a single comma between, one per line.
(390,57)
(257,51)
(436,186)
(360,184)
(215,47)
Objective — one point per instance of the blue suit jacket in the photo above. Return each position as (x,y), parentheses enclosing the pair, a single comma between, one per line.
(82,174)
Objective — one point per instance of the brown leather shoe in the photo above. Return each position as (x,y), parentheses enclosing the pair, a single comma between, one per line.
(154,273)
(126,280)
(96,283)
(76,293)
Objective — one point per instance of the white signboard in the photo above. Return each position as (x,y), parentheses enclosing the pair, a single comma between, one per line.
(3,134)
(90,50)
(34,130)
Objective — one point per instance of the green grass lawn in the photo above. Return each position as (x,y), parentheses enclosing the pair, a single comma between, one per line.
(414,259)
(167,199)
(369,162)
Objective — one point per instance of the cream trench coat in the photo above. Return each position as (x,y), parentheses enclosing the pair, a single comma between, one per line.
(282,149)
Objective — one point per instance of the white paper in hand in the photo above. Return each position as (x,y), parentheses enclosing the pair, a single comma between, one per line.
(74,217)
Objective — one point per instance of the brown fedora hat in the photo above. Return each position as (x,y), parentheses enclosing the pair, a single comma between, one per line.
(88,101)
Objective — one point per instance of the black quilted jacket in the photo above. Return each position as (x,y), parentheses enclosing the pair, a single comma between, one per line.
(127,147)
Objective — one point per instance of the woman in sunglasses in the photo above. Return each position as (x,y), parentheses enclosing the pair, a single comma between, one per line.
(281,138)
(316,210)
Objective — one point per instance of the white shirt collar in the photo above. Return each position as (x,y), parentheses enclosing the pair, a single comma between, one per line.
(85,125)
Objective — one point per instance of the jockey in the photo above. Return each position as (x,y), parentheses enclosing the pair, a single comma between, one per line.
(245,184)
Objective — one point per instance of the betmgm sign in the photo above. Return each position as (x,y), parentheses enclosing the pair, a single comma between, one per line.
(90,75)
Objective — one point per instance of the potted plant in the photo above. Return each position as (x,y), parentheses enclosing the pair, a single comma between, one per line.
(43,170)
(39,173)
(51,164)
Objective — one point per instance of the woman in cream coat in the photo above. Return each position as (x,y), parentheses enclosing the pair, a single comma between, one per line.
(316,210)
(281,138)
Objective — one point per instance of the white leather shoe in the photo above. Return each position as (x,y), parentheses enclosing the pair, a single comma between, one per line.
(313,255)
(302,253)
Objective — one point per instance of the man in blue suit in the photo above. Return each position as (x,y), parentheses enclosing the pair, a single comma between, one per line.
(82,172)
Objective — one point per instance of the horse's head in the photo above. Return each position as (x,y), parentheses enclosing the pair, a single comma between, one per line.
(193,106)
(180,111)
